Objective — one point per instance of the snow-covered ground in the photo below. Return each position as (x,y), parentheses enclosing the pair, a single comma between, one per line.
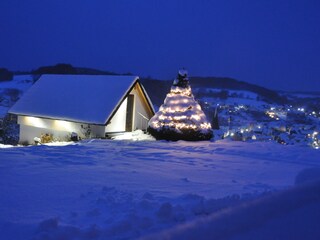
(20,82)
(108,189)
(236,101)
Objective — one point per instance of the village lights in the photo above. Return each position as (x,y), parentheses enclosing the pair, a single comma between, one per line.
(315,141)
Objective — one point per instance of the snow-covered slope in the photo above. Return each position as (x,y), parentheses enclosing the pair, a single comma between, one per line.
(10,91)
(291,214)
(105,189)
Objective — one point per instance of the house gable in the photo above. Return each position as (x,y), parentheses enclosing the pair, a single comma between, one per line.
(142,110)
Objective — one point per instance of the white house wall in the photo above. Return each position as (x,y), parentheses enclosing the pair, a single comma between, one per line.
(118,121)
(140,118)
(31,127)
(140,115)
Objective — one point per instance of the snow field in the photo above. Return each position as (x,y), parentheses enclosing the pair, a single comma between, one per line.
(104,189)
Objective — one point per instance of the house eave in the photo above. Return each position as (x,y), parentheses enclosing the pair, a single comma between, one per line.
(58,118)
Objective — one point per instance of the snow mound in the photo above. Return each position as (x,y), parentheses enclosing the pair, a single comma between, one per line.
(57,144)
(5,146)
(291,214)
(137,135)
(115,214)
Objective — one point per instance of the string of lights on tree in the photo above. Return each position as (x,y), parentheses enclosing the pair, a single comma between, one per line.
(180,116)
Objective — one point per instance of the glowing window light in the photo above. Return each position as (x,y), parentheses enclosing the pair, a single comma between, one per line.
(35,122)
(63,125)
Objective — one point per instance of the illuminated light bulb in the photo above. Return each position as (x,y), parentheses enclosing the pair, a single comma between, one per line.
(196,117)
(162,117)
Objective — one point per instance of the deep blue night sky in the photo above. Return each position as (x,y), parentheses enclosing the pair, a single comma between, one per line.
(273,43)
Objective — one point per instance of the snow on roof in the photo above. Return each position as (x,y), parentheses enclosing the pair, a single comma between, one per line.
(79,98)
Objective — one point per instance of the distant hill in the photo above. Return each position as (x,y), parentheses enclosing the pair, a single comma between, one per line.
(5,75)
(159,88)
(63,68)
(233,84)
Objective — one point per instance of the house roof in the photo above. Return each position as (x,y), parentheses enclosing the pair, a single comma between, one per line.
(79,98)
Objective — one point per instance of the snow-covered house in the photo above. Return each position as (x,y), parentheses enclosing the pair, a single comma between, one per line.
(92,106)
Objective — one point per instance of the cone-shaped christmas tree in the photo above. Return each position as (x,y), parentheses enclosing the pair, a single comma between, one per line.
(180,117)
